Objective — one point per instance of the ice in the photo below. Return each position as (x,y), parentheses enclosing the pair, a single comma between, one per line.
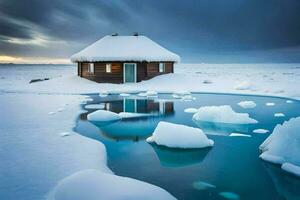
(270,104)
(150,93)
(291,168)
(279,115)
(222,114)
(190,110)
(289,101)
(247,104)
(95,106)
(201,185)
(103,116)
(124,115)
(124,94)
(283,146)
(93,184)
(260,131)
(179,136)
(239,135)
(229,195)
(244,85)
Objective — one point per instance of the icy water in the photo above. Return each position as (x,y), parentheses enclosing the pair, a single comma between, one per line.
(229,170)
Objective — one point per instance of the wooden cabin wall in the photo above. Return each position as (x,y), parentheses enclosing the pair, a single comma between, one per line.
(145,71)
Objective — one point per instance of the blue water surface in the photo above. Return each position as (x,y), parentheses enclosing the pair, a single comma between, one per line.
(229,170)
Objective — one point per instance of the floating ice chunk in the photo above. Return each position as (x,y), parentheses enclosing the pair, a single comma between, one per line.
(291,168)
(270,104)
(187,98)
(93,184)
(103,116)
(124,94)
(222,114)
(247,104)
(64,134)
(95,106)
(229,195)
(201,185)
(148,93)
(244,85)
(283,146)
(289,101)
(103,94)
(175,96)
(179,136)
(190,110)
(279,115)
(260,130)
(239,135)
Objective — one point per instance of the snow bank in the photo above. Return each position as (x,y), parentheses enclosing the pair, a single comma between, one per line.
(92,184)
(283,146)
(260,130)
(179,136)
(103,116)
(247,104)
(222,114)
(190,110)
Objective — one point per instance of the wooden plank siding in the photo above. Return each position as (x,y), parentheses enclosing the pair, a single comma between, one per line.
(145,71)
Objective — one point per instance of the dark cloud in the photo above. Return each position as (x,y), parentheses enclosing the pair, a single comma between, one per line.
(198,30)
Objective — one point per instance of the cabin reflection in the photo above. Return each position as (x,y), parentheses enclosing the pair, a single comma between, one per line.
(134,128)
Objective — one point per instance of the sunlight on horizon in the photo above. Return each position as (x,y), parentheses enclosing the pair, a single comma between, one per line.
(33,60)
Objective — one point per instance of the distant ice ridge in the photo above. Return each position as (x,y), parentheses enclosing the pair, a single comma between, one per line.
(222,114)
(93,184)
(283,146)
(179,136)
(247,104)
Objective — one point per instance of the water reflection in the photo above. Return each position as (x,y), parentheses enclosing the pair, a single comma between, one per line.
(170,157)
(134,128)
(286,185)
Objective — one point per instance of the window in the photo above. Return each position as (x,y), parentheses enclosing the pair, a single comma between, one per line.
(161,67)
(108,68)
(91,68)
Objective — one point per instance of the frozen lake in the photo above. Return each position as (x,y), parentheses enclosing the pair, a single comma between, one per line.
(230,169)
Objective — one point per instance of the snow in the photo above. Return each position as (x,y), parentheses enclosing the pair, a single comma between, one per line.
(270,104)
(95,106)
(247,104)
(239,135)
(64,134)
(134,48)
(222,114)
(274,148)
(279,115)
(191,110)
(103,116)
(260,131)
(179,136)
(149,93)
(93,184)
(124,115)
(244,85)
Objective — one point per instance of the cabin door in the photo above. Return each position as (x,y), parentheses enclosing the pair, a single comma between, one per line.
(129,74)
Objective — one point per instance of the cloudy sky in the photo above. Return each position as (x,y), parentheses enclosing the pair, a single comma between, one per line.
(214,31)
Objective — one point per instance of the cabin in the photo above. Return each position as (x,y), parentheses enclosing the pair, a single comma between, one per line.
(124,59)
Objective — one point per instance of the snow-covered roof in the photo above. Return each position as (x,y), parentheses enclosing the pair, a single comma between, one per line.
(125,48)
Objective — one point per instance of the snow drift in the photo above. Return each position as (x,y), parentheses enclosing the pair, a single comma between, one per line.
(283,146)
(222,114)
(179,136)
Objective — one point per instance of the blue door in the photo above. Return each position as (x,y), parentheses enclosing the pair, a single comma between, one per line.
(129,72)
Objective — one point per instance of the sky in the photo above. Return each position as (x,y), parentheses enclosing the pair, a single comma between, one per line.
(200,31)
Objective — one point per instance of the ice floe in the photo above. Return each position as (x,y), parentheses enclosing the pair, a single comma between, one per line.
(270,104)
(95,106)
(283,146)
(260,130)
(222,114)
(103,117)
(179,136)
(289,101)
(239,135)
(190,110)
(279,115)
(201,185)
(247,104)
